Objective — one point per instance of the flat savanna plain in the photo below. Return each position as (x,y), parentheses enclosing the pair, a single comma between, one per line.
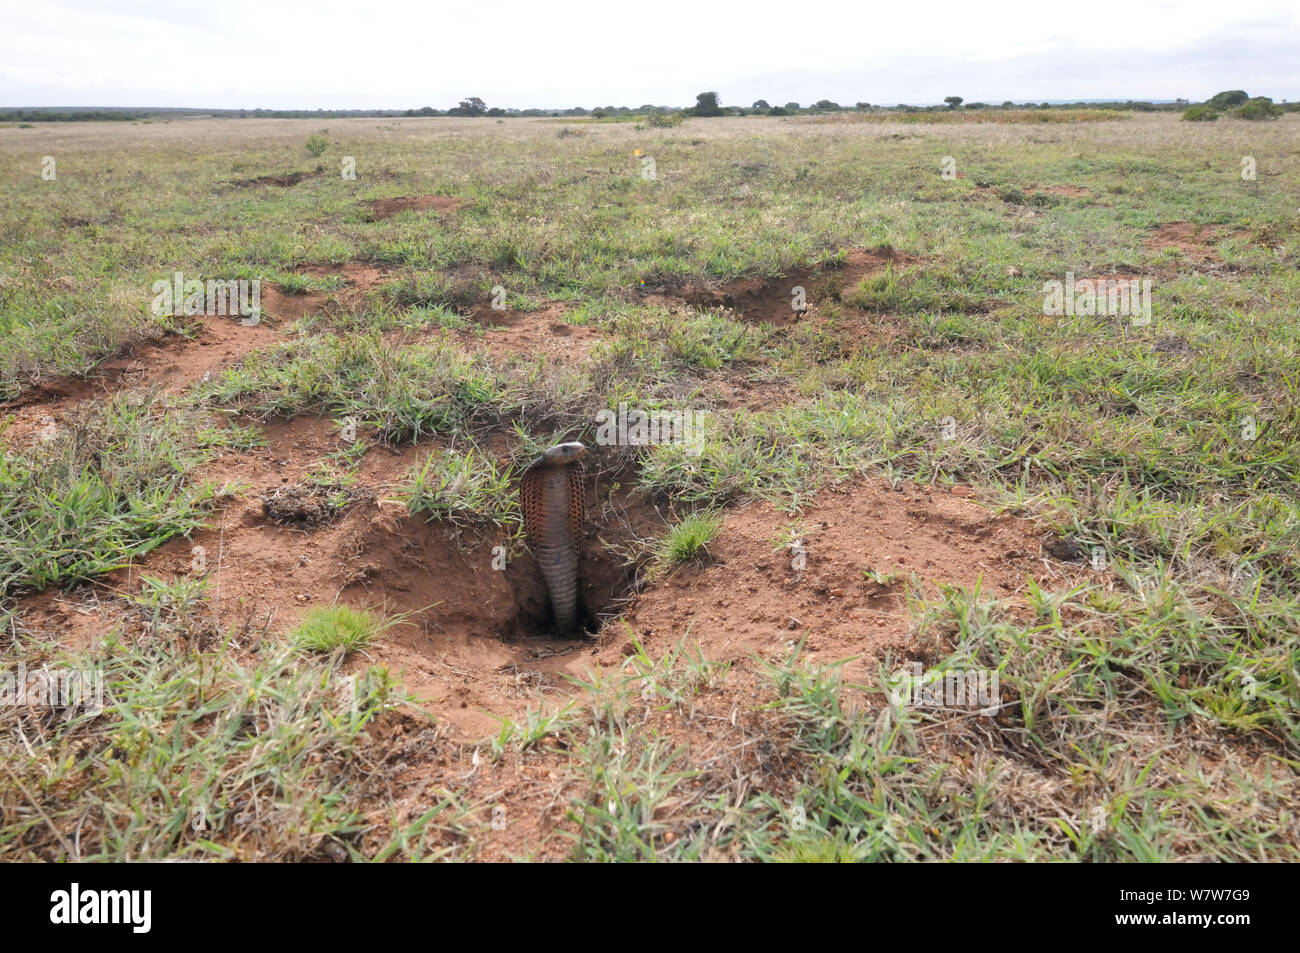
(919,468)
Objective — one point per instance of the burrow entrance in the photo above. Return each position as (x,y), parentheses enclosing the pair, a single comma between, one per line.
(612,540)
(467,582)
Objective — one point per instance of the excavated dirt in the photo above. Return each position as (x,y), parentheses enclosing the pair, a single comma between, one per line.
(723,389)
(282,181)
(287,308)
(1069,191)
(386,208)
(861,545)
(1102,280)
(771,300)
(309,504)
(1194,242)
(544,331)
(746,601)
(168,364)
(464,614)
(358,276)
(1014,196)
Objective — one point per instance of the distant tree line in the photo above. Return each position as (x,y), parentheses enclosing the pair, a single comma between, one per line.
(76,115)
(55,114)
(710,104)
(1231,102)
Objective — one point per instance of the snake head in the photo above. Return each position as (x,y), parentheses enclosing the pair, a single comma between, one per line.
(564,453)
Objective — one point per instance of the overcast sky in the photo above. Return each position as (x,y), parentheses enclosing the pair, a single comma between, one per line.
(521,53)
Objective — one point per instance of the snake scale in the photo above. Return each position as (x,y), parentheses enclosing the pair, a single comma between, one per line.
(551,495)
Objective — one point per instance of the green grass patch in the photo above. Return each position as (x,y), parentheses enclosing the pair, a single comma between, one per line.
(104,490)
(329,629)
(462,487)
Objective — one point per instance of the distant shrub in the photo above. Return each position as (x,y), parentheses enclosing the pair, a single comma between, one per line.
(1227,99)
(1261,107)
(1200,114)
(778,111)
(707,104)
(316,145)
(664,120)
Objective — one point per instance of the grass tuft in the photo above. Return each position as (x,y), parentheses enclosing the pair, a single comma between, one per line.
(328,629)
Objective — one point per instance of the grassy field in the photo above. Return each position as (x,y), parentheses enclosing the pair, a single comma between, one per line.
(1148,666)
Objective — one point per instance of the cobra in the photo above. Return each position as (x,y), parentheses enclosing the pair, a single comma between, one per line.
(551,496)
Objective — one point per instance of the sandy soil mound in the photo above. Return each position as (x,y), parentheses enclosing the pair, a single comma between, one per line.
(386,208)
(356,275)
(168,364)
(282,181)
(860,545)
(544,331)
(771,300)
(1195,242)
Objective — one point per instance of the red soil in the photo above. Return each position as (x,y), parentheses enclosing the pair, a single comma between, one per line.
(386,208)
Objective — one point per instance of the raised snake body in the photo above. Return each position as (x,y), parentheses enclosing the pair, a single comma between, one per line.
(551,494)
